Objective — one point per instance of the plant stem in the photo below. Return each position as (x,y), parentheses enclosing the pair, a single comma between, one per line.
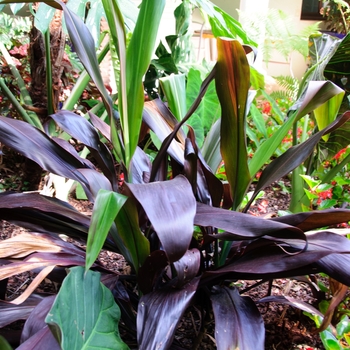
(50,106)
(82,82)
(31,117)
(23,113)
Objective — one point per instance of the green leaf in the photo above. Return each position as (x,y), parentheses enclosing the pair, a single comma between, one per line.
(312,183)
(4,345)
(84,314)
(232,85)
(209,109)
(318,92)
(133,240)
(211,147)
(43,17)
(106,208)
(174,87)
(326,113)
(138,57)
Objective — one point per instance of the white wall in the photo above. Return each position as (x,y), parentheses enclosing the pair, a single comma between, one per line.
(278,65)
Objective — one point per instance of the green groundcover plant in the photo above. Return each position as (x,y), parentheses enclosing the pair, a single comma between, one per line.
(176,224)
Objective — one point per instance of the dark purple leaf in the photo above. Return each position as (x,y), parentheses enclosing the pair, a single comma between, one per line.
(238,322)
(69,148)
(302,305)
(161,121)
(100,125)
(94,181)
(41,340)
(43,214)
(177,129)
(187,267)
(37,146)
(79,128)
(36,320)
(151,271)
(336,266)
(243,226)
(272,259)
(159,313)
(170,207)
(11,312)
(140,167)
(315,219)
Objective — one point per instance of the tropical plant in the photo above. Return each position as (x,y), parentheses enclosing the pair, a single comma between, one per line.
(150,217)
(336,13)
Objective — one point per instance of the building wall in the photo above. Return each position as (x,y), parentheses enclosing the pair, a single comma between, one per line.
(297,65)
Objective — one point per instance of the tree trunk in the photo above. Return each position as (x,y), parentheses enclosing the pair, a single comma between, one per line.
(38,88)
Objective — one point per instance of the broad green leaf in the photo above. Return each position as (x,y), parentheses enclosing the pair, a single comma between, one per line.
(138,57)
(238,322)
(232,85)
(84,314)
(106,208)
(326,113)
(223,24)
(174,88)
(43,17)
(209,109)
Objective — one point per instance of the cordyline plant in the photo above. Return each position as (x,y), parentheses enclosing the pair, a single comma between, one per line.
(151,217)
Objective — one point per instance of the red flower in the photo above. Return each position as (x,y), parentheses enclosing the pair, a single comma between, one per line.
(266,107)
(340,153)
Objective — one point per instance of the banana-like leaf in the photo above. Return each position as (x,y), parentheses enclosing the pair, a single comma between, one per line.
(232,85)
(106,208)
(174,88)
(79,128)
(223,24)
(170,206)
(238,322)
(293,157)
(209,109)
(158,314)
(91,320)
